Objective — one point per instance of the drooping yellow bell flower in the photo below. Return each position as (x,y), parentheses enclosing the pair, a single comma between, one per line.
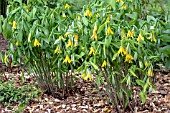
(109,31)
(14,25)
(121,51)
(150,72)
(67,34)
(67,6)
(76,37)
(56,50)
(52,15)
(79,18)
(88,13)
(123,6)
(67,60)
(153,37)
(83,75)
(129,58)
(92,51)
(29,37)
(140,37)
(88,77)
(16,43)
(108,18)
(130,34)
(146,64)
(122,33)
(36,43)
(104,64)
(70,43)
(94,36)
(6,59)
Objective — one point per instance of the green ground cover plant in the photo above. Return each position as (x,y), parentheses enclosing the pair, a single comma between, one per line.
(114,41)
(11,95)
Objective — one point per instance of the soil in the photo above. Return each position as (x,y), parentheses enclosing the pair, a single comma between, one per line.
(88,101)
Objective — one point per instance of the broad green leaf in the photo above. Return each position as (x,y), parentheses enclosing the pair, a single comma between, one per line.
(140,82)
(101,28)
(165,49)
(21,107)
(165,38)
(134,15)
(167,64)
(108,41)
(85,21)
(143,97)
(94,65)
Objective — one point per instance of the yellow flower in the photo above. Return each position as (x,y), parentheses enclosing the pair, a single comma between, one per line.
(29,37)
(104,64)
(97,15)
(5,59)
(60,37)
(64,15)
(36,43)
(56,50)
(130,34)
(67,59)
(123,6)
(16,43)
(79,18)
(140,37)
(67,6)
(146,64)
(10,23)
(52,15)
(83,75)
(88,77)
(153,37)
(76,37)
(150,72)
(119,0)
(108,18)
(14,25)
(92,51)
(94,36)
(122,34)
(88,13)
(121,50)
(67,34)
(129,58)
(109,31)
(69,43)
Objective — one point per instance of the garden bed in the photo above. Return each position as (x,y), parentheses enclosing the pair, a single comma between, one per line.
(88,100)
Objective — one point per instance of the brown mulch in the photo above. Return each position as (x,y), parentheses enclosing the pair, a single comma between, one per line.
(89,101)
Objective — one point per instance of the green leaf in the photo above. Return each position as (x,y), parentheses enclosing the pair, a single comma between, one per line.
(135,56)
(1,98)
(112,3)
(140,82)
(132,16)
(165,38)
(108,41)
(85,21)
(167,64)
(21,107)
(149,18)
(143,97)
(100,28)
(114,57)
(165,49)
(94,65)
